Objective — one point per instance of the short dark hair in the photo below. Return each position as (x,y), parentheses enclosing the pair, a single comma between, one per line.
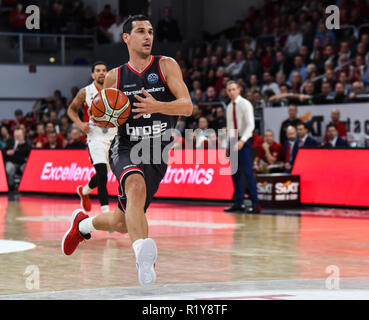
(96,63)
(300,123)
(331,124)
(127,24)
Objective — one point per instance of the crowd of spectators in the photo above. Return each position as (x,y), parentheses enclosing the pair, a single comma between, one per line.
(280,54)
(74,17)
(47,127)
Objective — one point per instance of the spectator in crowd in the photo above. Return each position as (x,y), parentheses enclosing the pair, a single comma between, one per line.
(204,137)
(220,119)
(254,83)
(358,93)
(65,126)
(61,142)
(334,140)
(340,125)
(269,84)
(30,122)
(115,30)
(326,96)
(291,134)
(357,69)
(270,157)
(304,54)
(303,140)
(75,141)
(88,24)
(17,19)
(55,120)
(345,50)
(329,54)
(294,40)
(339,94)
(179,141)
(53,142)
(192,120)
(167,29)
(298,67)
(18,120)
(58,17)
(236,67)
(251,66)
(198,97)
(292,120)
(266,60)
(105,18)
(342,78)
(308,35)
(296,82)
(7,141)
(323,33)
(41,138)
(280,64)
(15,158)
(196,84)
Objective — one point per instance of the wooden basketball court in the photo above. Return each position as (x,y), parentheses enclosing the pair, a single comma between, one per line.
(203,253)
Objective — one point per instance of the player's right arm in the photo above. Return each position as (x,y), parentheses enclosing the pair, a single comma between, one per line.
(111,79)
(73,108)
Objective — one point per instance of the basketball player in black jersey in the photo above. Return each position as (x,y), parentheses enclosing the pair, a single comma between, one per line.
(158,95)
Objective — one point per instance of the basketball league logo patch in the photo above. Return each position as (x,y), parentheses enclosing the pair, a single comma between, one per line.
(153,78)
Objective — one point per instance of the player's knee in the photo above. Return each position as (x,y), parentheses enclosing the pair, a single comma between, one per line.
(135,187)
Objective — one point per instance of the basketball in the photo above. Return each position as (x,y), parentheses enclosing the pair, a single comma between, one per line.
(110,108)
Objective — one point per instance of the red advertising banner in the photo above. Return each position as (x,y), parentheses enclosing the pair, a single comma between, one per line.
(190,174)
(333,176)
(3,180)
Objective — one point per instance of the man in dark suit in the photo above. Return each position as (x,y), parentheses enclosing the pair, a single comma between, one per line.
(334,140)
(292,120)
(288,147)
(303,140)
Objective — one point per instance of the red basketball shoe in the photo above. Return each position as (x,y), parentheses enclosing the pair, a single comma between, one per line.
(85,199)
(73,237)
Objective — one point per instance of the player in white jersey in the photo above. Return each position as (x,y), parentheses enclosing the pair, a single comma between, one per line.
(98,139)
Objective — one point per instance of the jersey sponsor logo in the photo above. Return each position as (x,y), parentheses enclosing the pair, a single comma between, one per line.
(129,85)
(154,129)
(157,89)
(153,78)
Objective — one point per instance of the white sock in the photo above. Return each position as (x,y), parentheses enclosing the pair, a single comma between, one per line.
(105,208)
(86,226)
(86,190)
(137,246)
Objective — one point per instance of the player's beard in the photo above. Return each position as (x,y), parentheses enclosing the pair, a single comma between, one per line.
(100,81)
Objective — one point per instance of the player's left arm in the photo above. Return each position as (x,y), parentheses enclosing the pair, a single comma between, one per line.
(181,106)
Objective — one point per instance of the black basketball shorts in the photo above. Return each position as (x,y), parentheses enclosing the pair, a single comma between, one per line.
(122,167)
